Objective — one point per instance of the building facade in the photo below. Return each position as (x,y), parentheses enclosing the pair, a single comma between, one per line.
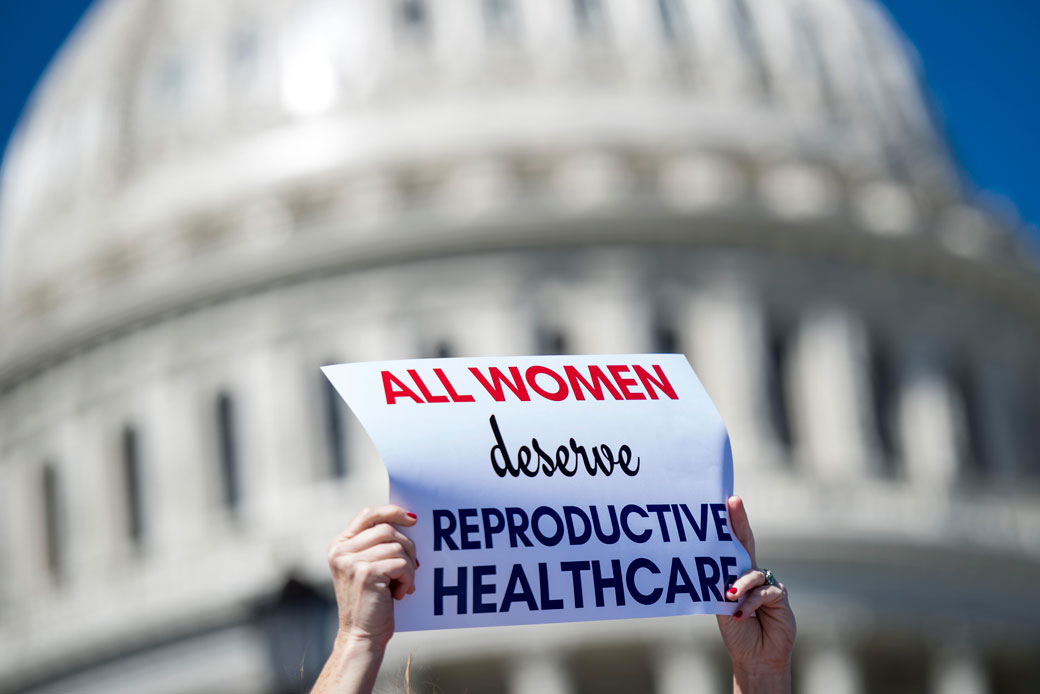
(206,201)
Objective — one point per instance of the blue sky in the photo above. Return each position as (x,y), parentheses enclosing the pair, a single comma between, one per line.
(978,58)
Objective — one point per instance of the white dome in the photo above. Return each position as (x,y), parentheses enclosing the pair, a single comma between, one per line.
(160,113)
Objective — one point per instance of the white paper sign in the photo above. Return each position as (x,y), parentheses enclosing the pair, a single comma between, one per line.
(553,489)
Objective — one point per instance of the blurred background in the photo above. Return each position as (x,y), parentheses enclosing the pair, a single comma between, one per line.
(204,201)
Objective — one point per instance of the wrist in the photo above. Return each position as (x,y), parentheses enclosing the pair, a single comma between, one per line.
(358,644)
(353,665)
(762,679)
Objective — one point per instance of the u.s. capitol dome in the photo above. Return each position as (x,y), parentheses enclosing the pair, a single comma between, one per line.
(206,201)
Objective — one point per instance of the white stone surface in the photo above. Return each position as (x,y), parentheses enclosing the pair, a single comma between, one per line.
(209,198)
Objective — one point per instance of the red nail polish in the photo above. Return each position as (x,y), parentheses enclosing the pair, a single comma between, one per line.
(412,516)
(738,614)
(732,590)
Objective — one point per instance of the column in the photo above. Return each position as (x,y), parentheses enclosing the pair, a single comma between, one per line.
(494,320)
(182,470)
(833,670)
(637,34)
(600,320)
(830,393)
(492,329)
(84,507)
(726,333)
(959,673)
(930,422)
(842,50)
(23,576)
(785,32)
(549,34)
(717,45)
(458,37)
(539,674)
(270,407)
(685,668)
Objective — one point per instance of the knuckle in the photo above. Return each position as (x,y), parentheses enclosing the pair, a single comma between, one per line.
(363,570)
(341,566)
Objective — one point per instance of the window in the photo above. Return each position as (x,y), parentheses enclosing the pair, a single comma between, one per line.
(551,341)
(589,16)
(227,443)
(413,20)
(335,427)
(965,384)
(501,17)
(673,20)
(245,52)
(883,384)
(748,38)
(172,81)
(132,486)
(776,383)
(53,522)
(665,341)
(1030,434)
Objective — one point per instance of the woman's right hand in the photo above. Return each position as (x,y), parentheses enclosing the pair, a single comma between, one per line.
(373,563)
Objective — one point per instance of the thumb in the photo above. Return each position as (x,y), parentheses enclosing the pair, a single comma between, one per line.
(738,521)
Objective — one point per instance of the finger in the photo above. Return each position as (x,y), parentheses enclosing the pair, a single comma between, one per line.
(751,579)
(398,573)
(374,515)
(387,550)
(738,521)
(757,598)
(384,533)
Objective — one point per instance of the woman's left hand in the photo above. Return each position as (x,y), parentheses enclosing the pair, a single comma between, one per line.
(759,637)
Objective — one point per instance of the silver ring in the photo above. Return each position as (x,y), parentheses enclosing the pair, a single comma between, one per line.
(770,578)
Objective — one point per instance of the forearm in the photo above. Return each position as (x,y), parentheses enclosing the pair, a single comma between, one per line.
(761,683)
(351,668)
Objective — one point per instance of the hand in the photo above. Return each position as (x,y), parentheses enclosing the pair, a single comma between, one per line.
(372,564)
(760,635)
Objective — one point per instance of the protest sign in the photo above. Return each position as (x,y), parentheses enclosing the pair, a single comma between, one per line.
(553,489)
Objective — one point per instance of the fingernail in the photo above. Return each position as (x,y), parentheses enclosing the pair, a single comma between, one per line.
(732,590)
(417,563)
(738,614)
(412,516)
